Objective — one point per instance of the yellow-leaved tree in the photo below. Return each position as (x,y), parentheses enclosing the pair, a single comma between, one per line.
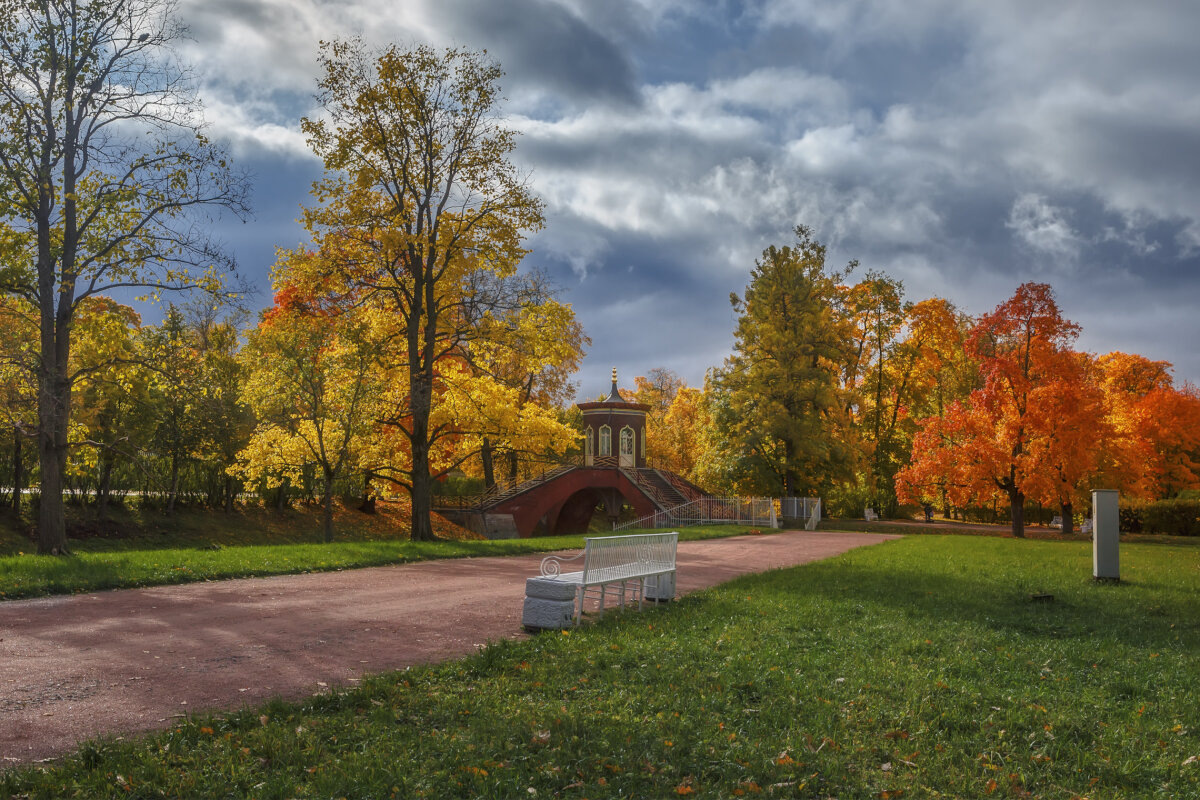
(18,396)
(313,382)
(530,345)
(421,218)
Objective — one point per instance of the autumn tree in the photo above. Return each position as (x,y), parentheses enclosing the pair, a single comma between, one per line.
(877,379)
(1067,431)
(780,396)
(1023,349)
(529,342)
(103,169)
(658,389)
(419,199)
(18,395)
(934,373)
(682,442)
(956,456)
(1155,446)
(942,371)
(111,382)
(226,422)
(175,387)
(1171,425)
(313,383)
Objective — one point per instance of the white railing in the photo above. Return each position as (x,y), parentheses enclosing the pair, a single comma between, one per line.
(761,511)
(805,508)
(712,511)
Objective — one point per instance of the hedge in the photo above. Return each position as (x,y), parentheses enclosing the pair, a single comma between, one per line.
(1180,517)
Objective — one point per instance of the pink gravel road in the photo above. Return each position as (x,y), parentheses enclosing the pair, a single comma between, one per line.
(123,662)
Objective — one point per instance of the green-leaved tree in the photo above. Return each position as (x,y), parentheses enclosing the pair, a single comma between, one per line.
(779,406)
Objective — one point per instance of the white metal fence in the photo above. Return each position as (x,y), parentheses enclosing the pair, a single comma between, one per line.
(803,508)
(761,511)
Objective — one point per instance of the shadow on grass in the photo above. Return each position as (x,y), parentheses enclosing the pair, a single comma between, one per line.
(1152,606)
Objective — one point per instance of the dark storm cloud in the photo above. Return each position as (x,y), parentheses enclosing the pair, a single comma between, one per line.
(543,41)
(961,147)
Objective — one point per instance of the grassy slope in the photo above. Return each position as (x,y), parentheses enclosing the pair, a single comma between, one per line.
(148,529)
(918,668)
(156,550)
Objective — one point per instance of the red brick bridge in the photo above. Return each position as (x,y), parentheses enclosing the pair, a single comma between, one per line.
(565,499)
(612,473)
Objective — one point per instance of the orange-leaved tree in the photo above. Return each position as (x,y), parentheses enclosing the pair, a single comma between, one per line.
(1153,452)
(1067,434)
(939,372)
(955,456)
(1024,355)
(1169,420)
(658,389)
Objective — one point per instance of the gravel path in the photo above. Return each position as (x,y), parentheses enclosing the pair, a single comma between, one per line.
(124,662)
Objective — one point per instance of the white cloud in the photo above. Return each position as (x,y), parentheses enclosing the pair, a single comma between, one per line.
(1045,229)
(247,132)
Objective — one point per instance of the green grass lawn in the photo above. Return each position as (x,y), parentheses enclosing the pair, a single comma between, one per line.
(100,563)
(917,668)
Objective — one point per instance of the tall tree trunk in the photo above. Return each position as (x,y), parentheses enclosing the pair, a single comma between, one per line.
(104,485)
(281,495)
(1068,518)
(174,489)
(367,506)
(1016,504)
(18,471)
(422,491)
(489,470)
(53,412)
(513,465)
(789,471)
(56,303)
(327,507)
(420,401)
(229,494)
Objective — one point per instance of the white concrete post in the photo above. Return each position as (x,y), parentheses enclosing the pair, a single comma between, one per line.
(1105,531)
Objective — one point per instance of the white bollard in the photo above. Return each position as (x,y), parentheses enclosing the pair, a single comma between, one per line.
(1106,522)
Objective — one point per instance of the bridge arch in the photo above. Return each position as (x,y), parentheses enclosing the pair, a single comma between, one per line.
(566,503)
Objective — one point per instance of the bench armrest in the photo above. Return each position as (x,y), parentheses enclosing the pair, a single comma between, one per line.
(552,565)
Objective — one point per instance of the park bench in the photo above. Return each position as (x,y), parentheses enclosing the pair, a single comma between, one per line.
(1085,528)
(869,514)
(635,567)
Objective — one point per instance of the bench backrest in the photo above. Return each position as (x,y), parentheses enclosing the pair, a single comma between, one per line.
(651,550)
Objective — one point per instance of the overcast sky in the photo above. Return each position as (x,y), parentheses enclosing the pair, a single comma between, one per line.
(963,148)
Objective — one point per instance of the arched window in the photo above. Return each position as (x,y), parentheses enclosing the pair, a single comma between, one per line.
(588,432)
(605,441)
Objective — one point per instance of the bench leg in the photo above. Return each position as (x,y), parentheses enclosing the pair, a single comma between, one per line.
(603,595)
(622,595)
(578,604)
(641,593)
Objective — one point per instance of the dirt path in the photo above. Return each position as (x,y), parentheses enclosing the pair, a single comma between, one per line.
(76,667)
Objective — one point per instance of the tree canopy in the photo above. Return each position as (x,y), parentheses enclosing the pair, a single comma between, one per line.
(103,170)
